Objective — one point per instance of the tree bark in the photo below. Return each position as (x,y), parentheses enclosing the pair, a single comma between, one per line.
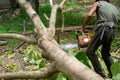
(43,73)
(19,37)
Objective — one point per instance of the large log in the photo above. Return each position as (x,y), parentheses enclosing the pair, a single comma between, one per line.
(3,43)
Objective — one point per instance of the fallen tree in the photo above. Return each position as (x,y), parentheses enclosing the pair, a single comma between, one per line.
(62,61)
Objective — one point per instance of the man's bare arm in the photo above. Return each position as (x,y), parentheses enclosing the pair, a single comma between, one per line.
(90,14)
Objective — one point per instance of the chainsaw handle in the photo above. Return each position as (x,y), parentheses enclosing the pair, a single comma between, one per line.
(82,35)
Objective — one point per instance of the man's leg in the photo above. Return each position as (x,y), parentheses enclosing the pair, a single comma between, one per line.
(106,43)
(92,56)
(107,58)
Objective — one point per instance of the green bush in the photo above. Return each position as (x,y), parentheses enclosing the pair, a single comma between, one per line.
(115,69)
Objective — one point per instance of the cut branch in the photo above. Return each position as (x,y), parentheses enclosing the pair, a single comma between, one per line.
(19,37)
(46,17)
(62,4)
(51,3)
(53,21)
(53,17)
(41,74)
(62,20)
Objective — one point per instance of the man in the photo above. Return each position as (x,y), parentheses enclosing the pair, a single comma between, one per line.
(107,18)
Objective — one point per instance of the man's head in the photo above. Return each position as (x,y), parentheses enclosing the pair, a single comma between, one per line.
(102,0)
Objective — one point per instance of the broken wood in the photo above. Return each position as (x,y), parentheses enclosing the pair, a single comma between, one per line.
(74,28)
(3,43)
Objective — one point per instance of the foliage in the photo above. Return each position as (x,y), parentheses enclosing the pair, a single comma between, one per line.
(118,3)
(12,43)
(58,76)
(81,56)
(115,43)
(75,16)
(115,69)
(12,67)
(44,9)
(71,37)
(11,24)
(33,56)
(1,62)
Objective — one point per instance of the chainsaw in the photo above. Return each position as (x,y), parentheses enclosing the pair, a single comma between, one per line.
(83,39)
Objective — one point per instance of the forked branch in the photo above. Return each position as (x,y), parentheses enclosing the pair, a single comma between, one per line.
(19,37)
(52,21)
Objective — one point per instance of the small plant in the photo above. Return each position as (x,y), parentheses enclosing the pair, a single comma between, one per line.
(1,62)
(33,56)
(115,68)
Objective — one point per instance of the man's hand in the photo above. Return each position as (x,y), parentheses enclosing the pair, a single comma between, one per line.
(88,17)
(82,30)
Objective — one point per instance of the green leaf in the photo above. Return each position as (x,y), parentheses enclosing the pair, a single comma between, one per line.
(81,56)
(115,68)
(116,77)
(1,62)
(42,64)
(70,51)
(58,76)
(32,61)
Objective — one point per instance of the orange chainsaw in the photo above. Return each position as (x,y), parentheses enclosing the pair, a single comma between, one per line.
(84,39)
